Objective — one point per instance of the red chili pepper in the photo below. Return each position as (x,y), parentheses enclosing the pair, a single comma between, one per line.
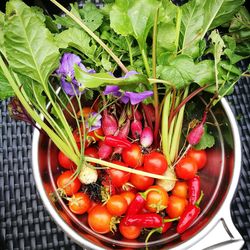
(194,189)
(136,205)
(149,220)
(189,215)
(117,141)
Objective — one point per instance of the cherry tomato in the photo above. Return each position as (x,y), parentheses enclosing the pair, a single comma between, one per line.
(91,151)
(157,199)
(155,163)
(99,219)
(65,182)
(200,156)
(128,196)
(129,232)
(133,156)
(79,203)
(64,161)
(117,205)
(141,182)
(176,206)
(118,177)
(186,168)
(86,112)
(180,189)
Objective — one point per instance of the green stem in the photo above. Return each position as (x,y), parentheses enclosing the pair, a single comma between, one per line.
(152,81)
(145,60)
(178,27)
(92,34)
(164,126)
(126,169)
(156,97)
(130,52)
(177,131)
(54,137)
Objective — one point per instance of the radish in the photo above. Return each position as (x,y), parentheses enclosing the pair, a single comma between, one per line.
(136,128)
(104,151)
(146,139)
(109,124)
(196,133)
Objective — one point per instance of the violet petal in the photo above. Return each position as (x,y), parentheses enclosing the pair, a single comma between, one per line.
(136,98)
(94,121)
(112,89)
(69,87)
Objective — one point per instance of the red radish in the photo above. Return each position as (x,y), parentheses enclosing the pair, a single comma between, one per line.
(104,151)
(196,133)
(136,129)
(109,124)
(137,114)
(149,112)
(146,139)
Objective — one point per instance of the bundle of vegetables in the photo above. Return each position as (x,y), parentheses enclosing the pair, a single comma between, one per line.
(110,87)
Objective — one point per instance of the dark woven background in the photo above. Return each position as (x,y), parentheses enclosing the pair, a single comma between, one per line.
(24,222)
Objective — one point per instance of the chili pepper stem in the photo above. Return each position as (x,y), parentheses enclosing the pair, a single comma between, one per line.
(197,203)
(171,220)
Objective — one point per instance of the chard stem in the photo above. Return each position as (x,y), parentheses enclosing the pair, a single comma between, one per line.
(156,97)
(126,169)
(145,60)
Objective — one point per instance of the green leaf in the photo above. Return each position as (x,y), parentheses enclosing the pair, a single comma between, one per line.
(76,38)
(30,47)
(207,140)
(91,16)
(240,21)
(134,17)
(106,63)
(166,36)
(204,72)
(218,45)
(99,79)
(199,16)
(181,71)
(5,89)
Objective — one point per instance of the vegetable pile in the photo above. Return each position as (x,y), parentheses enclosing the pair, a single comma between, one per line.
(113,88)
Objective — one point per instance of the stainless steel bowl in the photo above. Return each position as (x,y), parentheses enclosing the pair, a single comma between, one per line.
(212,229)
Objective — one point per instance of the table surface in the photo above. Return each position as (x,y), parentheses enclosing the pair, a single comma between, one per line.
(24,222)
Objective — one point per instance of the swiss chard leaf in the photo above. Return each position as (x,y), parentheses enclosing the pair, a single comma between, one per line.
(30,47)
(5,89)
(204,72)
(180,71)
(134,17)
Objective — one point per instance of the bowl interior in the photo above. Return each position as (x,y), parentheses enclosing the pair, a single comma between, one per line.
(215,182)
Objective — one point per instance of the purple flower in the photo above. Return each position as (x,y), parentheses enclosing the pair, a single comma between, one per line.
(67,73)
(93,121)
(127,96)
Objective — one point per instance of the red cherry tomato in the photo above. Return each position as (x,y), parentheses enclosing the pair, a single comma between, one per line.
(200,156)
(129,232)
(155,163)
(117,205)
(186,168)
(99,219)
(133,156)
(79,203)
(176,206)
(141,182)
(118,177)
(157,199)
(65,182)
(180,189)
(64,161)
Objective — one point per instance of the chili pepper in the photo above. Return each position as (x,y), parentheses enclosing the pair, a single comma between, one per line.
(148,220)
(136,205)
(189,215)
(194,189)
(117,141)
